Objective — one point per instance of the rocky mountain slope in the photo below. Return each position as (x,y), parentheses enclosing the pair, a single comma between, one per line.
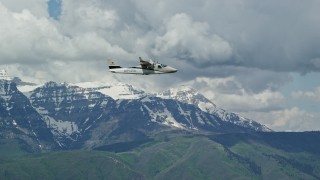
(87,117)
(18,119)
(190,96)
(132,134)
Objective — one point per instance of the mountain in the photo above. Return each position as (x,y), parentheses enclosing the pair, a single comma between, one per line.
(69,111)
(183,94)
(174,134)
(87,117)
(190,96)
(24,86)
(20,120)
(114,90)
(181,156)
(84,117)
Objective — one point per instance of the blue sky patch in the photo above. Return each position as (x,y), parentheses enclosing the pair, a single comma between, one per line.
(54,8)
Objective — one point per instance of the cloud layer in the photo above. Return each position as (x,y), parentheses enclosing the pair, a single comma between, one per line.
(239,53)
(244,33)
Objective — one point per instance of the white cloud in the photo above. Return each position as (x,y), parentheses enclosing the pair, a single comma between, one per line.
(30,39)
(244,48)
(186,39)
(36,7)
(231,95)
(20,32)
(33,47)
(292,119)
(86,16)
(263,34)
(309,95)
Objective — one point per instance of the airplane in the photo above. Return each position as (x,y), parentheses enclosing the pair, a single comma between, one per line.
(146,68)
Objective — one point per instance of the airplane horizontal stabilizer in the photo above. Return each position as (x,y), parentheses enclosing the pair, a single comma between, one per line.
(113,65)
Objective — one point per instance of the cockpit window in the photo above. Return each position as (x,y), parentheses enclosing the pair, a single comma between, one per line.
(161,66)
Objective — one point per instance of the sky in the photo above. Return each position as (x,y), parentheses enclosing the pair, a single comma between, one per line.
(260,59)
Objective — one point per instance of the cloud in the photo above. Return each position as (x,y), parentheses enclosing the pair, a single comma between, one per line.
(233,96)
(20,31)
(238,53)
(36,7)
(316,62)
(32,45)
(269,35)
(86,16)
(242,33)
(291,119)
(266,35)
(308,95)
(31,39)
(185,39)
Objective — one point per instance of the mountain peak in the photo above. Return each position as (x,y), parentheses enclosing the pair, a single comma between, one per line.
(185,94)
(189,95)
(4,75)
(7,87)
(54,84)
(114,90)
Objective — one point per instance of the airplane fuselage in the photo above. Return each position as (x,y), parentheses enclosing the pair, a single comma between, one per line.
(157,69)
(145,68)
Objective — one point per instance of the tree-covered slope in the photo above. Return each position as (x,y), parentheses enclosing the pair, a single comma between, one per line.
(178,156)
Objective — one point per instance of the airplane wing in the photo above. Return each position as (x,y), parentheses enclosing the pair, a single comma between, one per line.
(146,64)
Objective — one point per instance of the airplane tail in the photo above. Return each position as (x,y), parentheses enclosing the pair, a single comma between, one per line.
(144,61)
(112,65)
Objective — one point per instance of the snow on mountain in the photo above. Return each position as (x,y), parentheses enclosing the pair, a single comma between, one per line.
(4,75)
(27,88)
(162,115)
(114,90)
(58,127)
(183,94)
(189,95)
(92,113)
(69,110)
(6,94)
(22,86)
(20,119)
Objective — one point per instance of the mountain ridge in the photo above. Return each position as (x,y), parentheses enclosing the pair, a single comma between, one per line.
(146,137)
(74,115)
(19,119)
(182,93)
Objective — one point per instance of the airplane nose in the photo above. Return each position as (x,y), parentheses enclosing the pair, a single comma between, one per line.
(172,70)
(169,69)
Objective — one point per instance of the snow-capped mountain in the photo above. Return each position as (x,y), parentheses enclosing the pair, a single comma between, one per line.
(68,110)
(23,86)
(88,115)
(183,94)
(18,119)
(114,90)
(190,96)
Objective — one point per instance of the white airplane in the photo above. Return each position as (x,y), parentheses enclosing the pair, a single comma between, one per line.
(145,68)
